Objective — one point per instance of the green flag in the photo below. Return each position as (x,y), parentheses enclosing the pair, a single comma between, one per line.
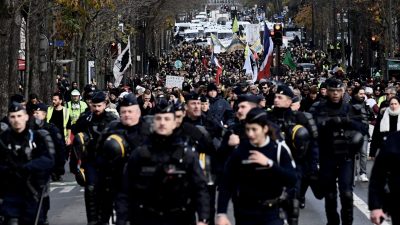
(235,26)
(288,60)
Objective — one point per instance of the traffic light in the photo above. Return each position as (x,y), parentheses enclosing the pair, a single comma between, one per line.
(278,34)
(374,43)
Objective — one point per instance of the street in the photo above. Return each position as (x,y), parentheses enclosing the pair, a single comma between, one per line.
(67,205)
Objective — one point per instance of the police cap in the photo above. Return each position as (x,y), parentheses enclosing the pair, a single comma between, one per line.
(163,106)
(128,100)
(40,107)
(248,98)
(179,106)
(15,107)
(99,97)
(192,96)
(334,83)
(285,90)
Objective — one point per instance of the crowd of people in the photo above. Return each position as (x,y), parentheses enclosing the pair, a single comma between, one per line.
(158,155)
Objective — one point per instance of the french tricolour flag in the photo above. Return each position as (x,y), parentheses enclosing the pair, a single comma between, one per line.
(265,68)
(219,68)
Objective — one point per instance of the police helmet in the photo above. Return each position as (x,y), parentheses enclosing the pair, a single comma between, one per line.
(300,140)
(115,147)
(80,142)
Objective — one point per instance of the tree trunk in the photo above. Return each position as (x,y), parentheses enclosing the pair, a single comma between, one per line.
(10,25)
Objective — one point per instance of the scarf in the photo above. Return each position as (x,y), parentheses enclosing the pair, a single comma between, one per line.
(385,122)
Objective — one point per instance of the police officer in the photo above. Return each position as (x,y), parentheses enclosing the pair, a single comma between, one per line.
(340,134)
(235,133)
(163,182)
(300,132)
(212,132)
(255,175)
(26,162)
(115,146)
(87,131)
(39,114)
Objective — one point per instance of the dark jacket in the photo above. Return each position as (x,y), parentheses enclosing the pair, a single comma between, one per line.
(60,155)
(378,137)
(287,119)
(386,171)
(331,118)
(163,180)
(19,167)
(250,184)
(220,110)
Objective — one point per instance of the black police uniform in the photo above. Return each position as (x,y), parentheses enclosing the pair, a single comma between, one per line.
(87,131)
(26,162)
(384,186)
(340,132)
(163,184)
(212,132)
(59,147)
(256,191)
(238,128)
(305,153)
(114,149)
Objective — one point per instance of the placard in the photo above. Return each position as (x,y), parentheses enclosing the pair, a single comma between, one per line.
(174,81)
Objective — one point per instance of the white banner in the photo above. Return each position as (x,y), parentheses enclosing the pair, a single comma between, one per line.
(174,81)
(252,33)
(122,63)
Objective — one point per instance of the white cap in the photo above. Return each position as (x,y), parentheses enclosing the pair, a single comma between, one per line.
(75,93)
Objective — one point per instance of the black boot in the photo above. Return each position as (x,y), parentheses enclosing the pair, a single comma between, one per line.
(347,208)
(91,206)
(331,209)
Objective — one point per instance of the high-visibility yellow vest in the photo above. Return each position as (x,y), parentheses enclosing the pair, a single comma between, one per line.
(75,113)
(381,99)
(50,111)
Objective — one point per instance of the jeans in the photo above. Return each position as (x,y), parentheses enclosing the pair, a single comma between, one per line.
(364,156)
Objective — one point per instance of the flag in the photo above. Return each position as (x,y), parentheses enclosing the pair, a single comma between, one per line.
(250,64)
(219,68)
(235,26)
(122,63)
(288,61)
(265,68)
(247,63)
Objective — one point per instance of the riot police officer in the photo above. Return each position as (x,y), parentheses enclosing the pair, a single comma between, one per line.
(340,134)
(163,182)
(235,133)
(212,130)
(115,146)
(26,162)
(87,131)
(39,113)
(299,131)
